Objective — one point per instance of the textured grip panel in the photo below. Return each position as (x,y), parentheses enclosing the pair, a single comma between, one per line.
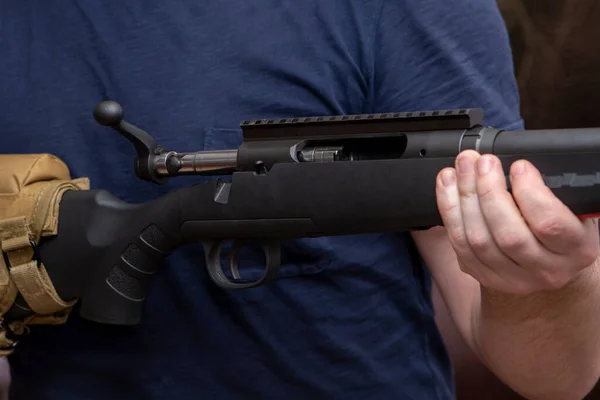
(141,262)
(156,239)
(126,285)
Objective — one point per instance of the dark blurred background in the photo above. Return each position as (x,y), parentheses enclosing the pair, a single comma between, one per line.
(556,47)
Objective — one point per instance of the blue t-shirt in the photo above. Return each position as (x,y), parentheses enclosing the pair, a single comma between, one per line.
(350,317)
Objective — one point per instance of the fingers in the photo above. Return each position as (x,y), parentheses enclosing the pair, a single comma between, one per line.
(554,225)
(467,228)
(520,242)
(503,218)
(451,213)
(450,210)
(479,235)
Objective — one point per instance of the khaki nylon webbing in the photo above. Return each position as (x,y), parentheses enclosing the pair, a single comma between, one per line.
(31,186)
(8,289)
(31,280)
(37,289)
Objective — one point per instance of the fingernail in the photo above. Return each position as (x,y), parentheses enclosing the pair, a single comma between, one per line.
(518,168)
(448,178)
(484,165)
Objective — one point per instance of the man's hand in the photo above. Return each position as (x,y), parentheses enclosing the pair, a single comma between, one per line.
(516,246)
(528,297)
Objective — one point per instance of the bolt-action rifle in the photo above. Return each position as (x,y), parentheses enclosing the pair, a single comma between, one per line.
(289,178)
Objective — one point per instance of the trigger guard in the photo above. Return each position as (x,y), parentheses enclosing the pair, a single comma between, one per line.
(212,253)
(233,264)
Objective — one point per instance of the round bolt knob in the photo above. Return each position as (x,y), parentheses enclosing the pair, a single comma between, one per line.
(108,113)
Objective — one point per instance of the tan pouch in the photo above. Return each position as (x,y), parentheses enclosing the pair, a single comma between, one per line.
(31,187)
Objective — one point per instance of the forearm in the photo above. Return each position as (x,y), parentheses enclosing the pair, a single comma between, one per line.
(545,345)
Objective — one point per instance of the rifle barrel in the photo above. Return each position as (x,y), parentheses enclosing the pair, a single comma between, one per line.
(548,141)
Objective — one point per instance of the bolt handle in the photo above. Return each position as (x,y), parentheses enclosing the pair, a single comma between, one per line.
(110,113)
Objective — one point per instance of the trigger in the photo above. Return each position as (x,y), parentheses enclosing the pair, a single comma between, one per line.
(233,263)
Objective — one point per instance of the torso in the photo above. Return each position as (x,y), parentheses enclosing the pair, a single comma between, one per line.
(349,317)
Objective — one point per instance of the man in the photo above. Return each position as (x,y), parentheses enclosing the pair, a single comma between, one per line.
(350,317)
(558,85)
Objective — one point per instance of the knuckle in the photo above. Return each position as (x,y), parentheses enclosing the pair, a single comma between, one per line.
(511,241)
(551,226)
(459,238)
(478,239)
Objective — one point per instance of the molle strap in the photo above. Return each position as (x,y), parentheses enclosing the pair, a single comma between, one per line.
(16,242)
(31,187)
(26,269)
(8,289)
(37,289)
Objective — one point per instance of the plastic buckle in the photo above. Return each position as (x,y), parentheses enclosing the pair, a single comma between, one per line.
(35,257)
(10,335)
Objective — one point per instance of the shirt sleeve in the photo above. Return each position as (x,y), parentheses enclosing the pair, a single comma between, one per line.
(444,54)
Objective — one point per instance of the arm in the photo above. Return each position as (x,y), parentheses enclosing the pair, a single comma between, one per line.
(462,57)
(534,325)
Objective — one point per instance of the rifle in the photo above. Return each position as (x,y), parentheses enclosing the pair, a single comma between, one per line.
(289,178)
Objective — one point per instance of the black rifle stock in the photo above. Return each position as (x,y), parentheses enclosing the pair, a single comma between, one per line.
(290,178)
